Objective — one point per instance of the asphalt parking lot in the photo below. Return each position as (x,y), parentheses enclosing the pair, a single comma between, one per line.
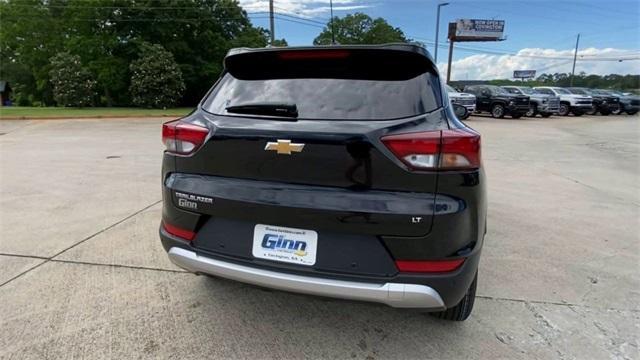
(83,274)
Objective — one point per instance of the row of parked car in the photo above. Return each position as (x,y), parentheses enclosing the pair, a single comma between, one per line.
(518,101)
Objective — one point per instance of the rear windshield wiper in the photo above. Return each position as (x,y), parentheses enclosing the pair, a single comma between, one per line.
(268,109)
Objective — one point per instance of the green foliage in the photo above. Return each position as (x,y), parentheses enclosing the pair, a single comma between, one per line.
(280,43)
(106,33)
(611,81)
(156,79)
(360,28)
(72,84)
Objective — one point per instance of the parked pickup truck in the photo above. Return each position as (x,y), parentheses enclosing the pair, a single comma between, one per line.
(461,98)
(628,103)
(602,102)
(498,101)
(569,103)
(539,103)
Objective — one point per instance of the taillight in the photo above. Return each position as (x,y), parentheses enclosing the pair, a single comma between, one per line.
(428,266)
(183,138)
(454,149)
(178,232)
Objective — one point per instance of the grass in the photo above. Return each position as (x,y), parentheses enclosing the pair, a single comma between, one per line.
(13,112)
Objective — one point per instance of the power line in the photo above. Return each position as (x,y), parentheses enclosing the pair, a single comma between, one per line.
(298,22)
(301,18)
(144,19)
(52,6)
(584,57)
(529,15)
(326,20)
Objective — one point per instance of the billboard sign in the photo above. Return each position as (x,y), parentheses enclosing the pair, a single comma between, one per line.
(476,29)
(524,74)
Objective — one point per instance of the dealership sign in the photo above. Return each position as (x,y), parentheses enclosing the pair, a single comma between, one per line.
(524,74)
(476,29)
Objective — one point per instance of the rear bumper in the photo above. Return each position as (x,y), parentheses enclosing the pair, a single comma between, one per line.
(349,255)
(393,294)
(583,107)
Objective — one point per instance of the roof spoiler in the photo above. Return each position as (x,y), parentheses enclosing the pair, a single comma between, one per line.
(366,62)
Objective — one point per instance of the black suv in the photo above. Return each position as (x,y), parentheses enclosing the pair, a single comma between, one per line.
(322,170)
(603,102)
(498,101)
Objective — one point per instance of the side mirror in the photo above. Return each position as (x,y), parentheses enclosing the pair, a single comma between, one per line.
(460,111)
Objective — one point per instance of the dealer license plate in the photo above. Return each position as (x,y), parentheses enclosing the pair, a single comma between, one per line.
(290,245)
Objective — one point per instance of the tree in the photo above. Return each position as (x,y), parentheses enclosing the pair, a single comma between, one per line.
(360,28)
(280,42)
(72,84)
(106,33)
(611,81)
(156,79)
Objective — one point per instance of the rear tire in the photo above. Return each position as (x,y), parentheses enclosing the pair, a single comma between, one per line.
(577,113)
(463,309)
(564,109)
(497,111)
(618,111)
(593,111)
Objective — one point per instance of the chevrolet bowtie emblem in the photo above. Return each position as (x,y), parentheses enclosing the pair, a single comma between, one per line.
(284,147)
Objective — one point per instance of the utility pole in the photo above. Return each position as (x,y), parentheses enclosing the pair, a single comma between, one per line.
(438,30)
(450,57)
(333,35)
(271,27)
(575,55)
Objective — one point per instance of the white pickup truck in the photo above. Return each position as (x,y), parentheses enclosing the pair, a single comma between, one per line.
(465,99)
(569,103)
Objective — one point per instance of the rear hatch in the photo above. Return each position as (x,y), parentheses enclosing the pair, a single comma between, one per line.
(295,141)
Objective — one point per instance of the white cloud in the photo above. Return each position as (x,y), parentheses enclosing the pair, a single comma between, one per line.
(485,66)
(304,8)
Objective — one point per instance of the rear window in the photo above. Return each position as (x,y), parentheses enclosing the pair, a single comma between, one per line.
(386,85)
(332,99)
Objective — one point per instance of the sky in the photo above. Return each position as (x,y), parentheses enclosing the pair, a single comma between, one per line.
(540,34)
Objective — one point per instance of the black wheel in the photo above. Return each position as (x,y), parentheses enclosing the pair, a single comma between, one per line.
(533,110)
(564,109)
(516,115)
(605,113)
(631,112)
(592,111)
(618,111)
(545,115)
(497,111)
(577,113)
(463,309)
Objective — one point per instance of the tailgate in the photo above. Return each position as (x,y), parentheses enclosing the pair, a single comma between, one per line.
(343,179)
(295,140)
